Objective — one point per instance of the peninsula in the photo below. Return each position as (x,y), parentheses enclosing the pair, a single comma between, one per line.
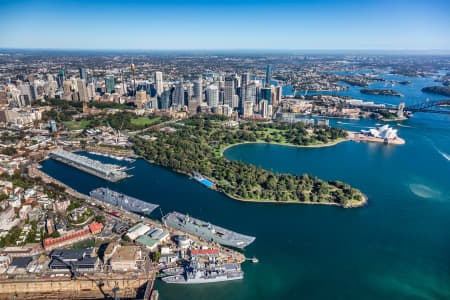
(439,90)
(195,145)
(383,92)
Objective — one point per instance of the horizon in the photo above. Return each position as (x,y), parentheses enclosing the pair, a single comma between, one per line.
(207,25)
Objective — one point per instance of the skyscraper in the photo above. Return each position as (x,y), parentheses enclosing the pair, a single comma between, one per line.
(266,94)
(83,74)
(198,89)
(109,83)
(67,86)
(60,78)
(165,98)
(228,91)
(158,79)
(245,80)
(82,91)
(178,96)
(212,96)
(268,77)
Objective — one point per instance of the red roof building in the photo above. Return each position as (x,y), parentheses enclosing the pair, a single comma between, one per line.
(205,252)
(51,243)
(95,227)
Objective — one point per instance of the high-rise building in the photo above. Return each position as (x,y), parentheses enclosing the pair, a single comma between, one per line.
(109,83)
(60,78)
(198,89)
(53,126)
(83,74)
(264,108)
(178,96)
(212,96)
(228,91)
(82,91)
(165,98)
(67,87)
(268,81)
(266,94)
(247,109)
(141,98)
(158,79)
(277,95)
(245,81)
(91,90)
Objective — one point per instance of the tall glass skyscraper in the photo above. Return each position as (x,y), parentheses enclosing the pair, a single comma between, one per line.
(268,76)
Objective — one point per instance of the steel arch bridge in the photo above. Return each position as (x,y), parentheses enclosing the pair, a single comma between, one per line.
(426,107)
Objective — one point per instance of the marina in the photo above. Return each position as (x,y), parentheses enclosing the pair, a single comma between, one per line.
(108,172)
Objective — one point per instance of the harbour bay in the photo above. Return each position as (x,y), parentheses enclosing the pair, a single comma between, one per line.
(395,247)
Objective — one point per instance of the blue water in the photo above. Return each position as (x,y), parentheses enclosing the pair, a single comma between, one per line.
(396,247)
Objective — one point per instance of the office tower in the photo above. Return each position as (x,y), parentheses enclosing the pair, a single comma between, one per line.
(278,94)
(83,74)
(109,83)
(212,96)
(141,98)
(165,98)
(248,109)
(198,89)
(193,105)
(91,90)
(67,86)
(3,98)
(60,78)
(82,91)
(158,79)
(235,102)
(268,77)
(178,96)
(264,108)
(251,92)
(245,81)
(228,91)
(266,94)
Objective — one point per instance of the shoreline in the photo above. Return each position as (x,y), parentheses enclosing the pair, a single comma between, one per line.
(288,145)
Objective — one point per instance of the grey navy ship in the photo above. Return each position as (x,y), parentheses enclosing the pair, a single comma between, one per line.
(207,231)
(123,201)
(195,274)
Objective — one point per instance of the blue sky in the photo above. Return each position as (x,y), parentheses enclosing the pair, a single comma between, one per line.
(228,24)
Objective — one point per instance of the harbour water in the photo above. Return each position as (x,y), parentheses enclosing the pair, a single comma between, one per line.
(396,247)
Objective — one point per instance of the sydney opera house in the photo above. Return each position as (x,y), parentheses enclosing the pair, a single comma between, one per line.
(384,132)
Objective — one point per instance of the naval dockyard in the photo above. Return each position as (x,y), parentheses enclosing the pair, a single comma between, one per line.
(176,248)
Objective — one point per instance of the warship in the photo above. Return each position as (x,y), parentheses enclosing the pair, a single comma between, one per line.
(123,201)
(195,273)
(207,231)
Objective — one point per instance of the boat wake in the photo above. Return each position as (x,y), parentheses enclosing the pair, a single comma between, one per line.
(423,191)
(445,155)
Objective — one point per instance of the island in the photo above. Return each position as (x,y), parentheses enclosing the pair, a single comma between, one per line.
(439,90)
(383,92)
(195,146)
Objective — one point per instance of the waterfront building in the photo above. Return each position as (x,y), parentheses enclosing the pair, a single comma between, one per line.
(125,258)
(81,260)
(384,132)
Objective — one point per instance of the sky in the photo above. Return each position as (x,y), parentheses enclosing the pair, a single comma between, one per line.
(227,24)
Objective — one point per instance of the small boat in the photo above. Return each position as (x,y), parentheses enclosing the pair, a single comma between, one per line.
(339,122)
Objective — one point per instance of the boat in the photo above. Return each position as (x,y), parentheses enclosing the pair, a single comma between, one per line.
(339,122)
(207,231)
(173,271)
(194,273)
(123,201)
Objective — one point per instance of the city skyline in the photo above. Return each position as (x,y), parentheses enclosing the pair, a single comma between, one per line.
(290,25)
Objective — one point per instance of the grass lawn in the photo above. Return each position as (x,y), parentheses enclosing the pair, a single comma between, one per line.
(145,121)
(76,125)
